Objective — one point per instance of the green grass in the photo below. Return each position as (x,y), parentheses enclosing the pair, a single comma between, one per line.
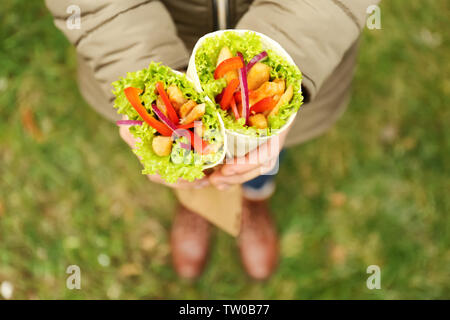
(373,190)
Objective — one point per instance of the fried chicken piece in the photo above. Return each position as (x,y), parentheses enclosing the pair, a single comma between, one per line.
(257,75)
(196,113)
(176,96)
(162,146)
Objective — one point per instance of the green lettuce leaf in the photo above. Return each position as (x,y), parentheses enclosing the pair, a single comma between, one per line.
(181,163)
(249,44)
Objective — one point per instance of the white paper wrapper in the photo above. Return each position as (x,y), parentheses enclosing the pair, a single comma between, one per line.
(239,144)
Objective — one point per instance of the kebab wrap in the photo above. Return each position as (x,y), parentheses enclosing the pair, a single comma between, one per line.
(178,129)
(253,81)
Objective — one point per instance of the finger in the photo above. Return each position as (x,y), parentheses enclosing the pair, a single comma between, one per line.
(219,180)
(263,154)
(127,136)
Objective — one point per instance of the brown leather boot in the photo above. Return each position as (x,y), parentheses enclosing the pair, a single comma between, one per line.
(189,240)
(258,241)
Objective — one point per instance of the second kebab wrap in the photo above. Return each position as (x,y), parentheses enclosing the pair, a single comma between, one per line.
(254,82)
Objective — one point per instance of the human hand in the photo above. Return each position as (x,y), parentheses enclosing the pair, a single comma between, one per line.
(180,184)
(259,161)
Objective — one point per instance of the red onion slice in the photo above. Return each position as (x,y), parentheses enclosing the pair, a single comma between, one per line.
(172,126)
(244,90)
(129,122)
(255,59)
(163,117)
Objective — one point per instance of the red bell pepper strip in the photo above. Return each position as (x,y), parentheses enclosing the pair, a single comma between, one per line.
(263,105)
(228,94)
(170,110)
(132,95)
(234,109)
(186,126)
(228,65)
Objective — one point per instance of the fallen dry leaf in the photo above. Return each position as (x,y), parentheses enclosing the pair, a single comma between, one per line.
(338,254)
(130,270)
(29,124)
(337,199)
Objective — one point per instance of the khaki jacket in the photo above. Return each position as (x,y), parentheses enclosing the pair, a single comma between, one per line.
(120,36)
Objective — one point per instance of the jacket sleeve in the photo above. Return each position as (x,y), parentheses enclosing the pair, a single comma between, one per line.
(316,33)
(120,36)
